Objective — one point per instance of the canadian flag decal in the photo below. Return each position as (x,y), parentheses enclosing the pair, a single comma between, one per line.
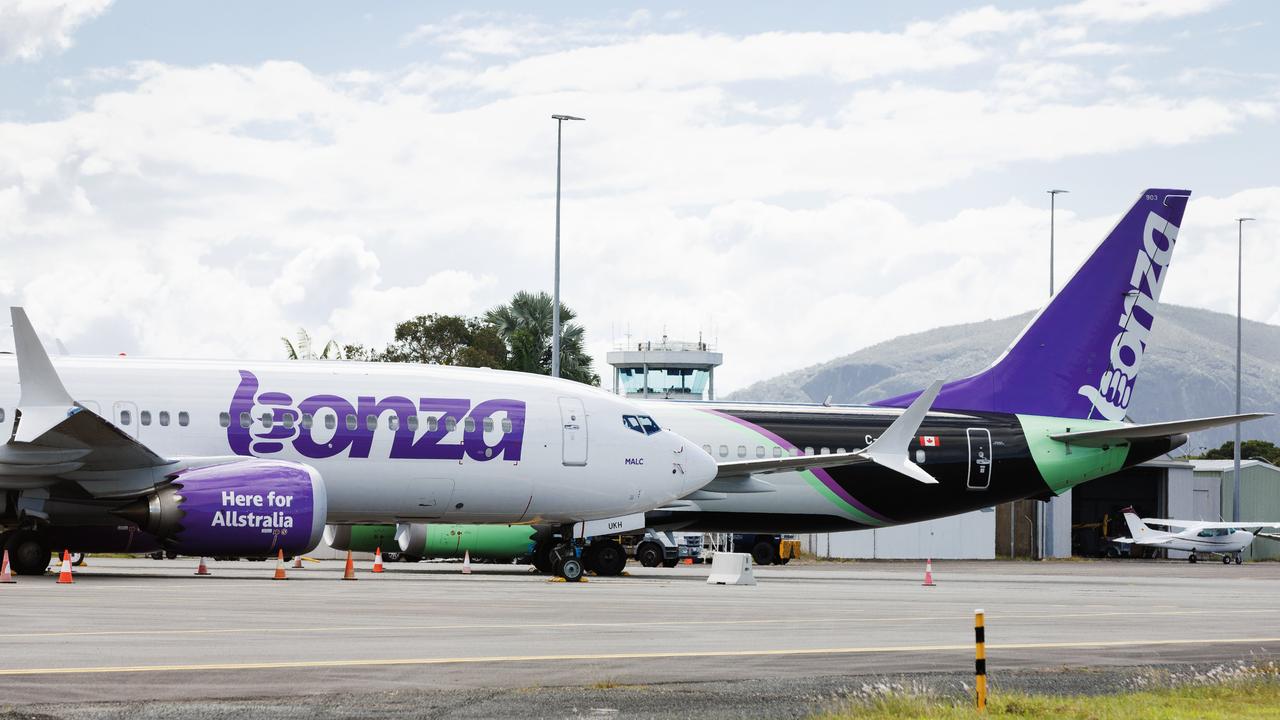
(929,441)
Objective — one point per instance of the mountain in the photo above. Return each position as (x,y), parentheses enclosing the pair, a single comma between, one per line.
(1188,369)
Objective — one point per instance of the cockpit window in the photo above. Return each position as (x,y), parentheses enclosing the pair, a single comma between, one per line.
(641,424)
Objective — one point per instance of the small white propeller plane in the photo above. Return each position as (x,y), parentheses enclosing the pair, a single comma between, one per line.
(1226,539)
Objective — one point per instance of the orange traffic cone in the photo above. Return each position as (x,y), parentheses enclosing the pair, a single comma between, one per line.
(350,572)
(466,563)
(64,574)
(688,561)
(280,567)
(5,575)
(928,573)
(297,562)
(203,569)
(377,560)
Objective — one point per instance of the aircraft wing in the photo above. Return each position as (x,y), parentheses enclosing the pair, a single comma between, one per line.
(889,450)
(1201,525)
(54,436)
(1111,436)
(1269,536)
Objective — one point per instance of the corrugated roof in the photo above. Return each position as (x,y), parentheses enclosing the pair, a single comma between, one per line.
(1227,465)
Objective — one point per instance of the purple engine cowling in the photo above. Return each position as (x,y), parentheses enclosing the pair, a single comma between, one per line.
(250,507)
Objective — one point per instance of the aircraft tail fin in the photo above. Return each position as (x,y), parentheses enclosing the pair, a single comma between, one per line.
(1079,357)
(1137,528)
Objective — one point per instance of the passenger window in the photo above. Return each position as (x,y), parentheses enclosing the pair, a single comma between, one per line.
(330,422)
(351,422)
(145,417)
(126,417)
(245,419)
(706,449)
(267,420)
(506,425)
(288,420)
(840,450)
(306,420)
(777,451)
(413,423)
(742,451)
(371,422)
(724,451)
(488,425)
(393,422)
(433,423)
(469,424)
(224,419)
(759,451)
(450,424)
(1,415)
(164,418)
(808,451)
(826,451)
(184,419)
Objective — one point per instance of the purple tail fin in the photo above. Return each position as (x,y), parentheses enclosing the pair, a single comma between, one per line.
(1080,356)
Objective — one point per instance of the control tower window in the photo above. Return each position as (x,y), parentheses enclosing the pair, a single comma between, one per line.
(674,383)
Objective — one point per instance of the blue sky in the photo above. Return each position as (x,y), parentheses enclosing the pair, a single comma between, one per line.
(825,176)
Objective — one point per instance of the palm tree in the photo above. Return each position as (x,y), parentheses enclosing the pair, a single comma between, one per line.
(302,349)
(525,325)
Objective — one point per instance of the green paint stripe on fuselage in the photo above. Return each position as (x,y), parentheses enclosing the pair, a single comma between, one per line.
(1064,467)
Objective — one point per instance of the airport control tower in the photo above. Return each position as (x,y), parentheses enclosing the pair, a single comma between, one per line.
(668,369)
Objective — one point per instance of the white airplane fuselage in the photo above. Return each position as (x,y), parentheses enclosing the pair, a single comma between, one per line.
(391,441)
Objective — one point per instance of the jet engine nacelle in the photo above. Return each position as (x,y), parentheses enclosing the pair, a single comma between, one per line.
(249,507)
(361,538)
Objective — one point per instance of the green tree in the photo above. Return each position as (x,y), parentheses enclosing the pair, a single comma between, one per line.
(302,349)
(1248,449)
(524,324)
(447,340)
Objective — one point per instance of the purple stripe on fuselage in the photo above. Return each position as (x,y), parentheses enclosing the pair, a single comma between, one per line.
(819,473)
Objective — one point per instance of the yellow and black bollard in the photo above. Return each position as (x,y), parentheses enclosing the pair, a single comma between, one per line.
(980,658)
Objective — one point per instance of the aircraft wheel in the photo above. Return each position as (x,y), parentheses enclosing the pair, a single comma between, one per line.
(608,557)
(28,553)
(590,563)
(763,553)
(649,554)
(1239,558)
(570,568)
(542,556)
(1226,559)
(1191,558)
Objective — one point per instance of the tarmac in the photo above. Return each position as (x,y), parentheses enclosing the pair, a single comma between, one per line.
(134,637)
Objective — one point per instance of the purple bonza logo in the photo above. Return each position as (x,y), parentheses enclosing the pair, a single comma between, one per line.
(1115,387)
(323,426)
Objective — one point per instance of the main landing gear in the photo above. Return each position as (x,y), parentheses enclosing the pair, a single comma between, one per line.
(29,553)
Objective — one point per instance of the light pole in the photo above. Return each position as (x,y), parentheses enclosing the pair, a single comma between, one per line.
(1235,494)
(1053,195)
(555,295)
(1045,510)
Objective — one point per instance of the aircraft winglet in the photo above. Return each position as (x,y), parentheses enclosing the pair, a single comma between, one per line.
(889,450)
(44,400)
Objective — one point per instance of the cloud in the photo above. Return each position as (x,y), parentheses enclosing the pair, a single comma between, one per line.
(31,28)
(753,186)
(1134,11)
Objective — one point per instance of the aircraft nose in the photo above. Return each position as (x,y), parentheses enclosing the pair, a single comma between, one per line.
(699,466)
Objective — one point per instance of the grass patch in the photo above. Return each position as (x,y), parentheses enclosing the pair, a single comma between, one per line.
(1254,698)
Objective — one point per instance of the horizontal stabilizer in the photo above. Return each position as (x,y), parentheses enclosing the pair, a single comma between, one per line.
(1111,436)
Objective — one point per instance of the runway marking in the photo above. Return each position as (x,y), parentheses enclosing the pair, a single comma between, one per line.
(645,623)
(391,662)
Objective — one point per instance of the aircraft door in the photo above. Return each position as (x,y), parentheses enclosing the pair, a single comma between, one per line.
(125,416)
(979,458)
(573,420)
